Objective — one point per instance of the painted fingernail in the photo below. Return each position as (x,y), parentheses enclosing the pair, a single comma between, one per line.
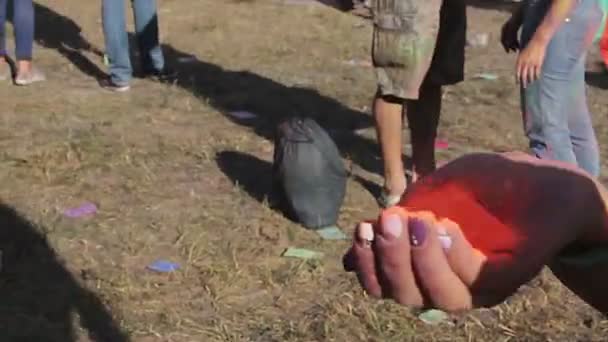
(417,231)
(446,242)
(366,232)
(444,238)
(393,226)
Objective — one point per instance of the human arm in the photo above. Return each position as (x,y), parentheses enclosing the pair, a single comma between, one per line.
(508,216)
(508,37)
(530,60)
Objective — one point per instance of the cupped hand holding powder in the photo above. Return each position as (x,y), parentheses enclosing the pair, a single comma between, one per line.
(470,234)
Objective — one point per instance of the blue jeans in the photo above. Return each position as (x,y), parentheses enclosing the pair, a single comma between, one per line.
(117,40)
(23,23)
(557,121)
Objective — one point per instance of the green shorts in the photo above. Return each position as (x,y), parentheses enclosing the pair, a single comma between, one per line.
(416,42)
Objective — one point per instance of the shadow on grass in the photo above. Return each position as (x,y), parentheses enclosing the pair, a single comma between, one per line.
(232,90)
(597,79)
(254,176)
(58,32)
(40,297)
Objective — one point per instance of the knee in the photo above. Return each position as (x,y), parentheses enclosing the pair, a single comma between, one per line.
(388,98)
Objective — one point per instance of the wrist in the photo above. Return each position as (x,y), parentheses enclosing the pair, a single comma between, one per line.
(541,37)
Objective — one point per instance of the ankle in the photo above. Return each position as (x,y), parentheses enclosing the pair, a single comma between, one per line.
(395,185)
(24,66)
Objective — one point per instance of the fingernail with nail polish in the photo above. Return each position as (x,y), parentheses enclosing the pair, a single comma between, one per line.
(446,242)
(417,231)
(366,232)
(393,226)
(444,238)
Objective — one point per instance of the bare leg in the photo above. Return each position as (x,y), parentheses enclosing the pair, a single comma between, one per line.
(387,113)
(24,66)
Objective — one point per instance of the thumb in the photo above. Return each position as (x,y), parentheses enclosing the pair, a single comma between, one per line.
(466,261)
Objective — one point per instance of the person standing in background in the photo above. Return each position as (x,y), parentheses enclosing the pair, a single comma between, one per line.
(551,70)
(417,48)
(117,43)
(23,23)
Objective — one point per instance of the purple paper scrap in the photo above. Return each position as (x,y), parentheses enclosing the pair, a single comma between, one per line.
(163,266)
(83,210)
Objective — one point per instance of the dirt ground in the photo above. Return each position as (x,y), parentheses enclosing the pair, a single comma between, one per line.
(175,178)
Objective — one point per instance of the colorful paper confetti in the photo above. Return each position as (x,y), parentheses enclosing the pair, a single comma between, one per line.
(441,144)
(302,253)
(243,115)
(433,317)
(332,233)
(163,266)
(86,209)
(485,76)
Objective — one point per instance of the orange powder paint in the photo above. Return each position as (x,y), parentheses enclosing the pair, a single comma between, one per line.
(455,202)
(604,46)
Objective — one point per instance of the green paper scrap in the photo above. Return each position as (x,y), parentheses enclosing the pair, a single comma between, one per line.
(332,233)
(302,253)
(486,76)
(106,60)
(433,317)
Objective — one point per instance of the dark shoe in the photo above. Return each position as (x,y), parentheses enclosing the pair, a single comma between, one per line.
(108,84)
(164,75)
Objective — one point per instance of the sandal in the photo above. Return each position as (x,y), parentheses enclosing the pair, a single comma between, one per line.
(386,200)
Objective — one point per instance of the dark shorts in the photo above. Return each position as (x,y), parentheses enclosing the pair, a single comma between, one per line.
(418,42)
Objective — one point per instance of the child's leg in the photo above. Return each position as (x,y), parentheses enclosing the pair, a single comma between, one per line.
(146,29)
(403,45)
(116,41)
(423,119)
(23,22)
(387,113)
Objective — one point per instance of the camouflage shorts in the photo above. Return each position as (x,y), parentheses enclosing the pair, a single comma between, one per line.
(417,41)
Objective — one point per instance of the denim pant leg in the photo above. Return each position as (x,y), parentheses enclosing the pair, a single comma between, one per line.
(556,123)
(582,135)
(146,30)
(3,16)
(23,22)
(117,41)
